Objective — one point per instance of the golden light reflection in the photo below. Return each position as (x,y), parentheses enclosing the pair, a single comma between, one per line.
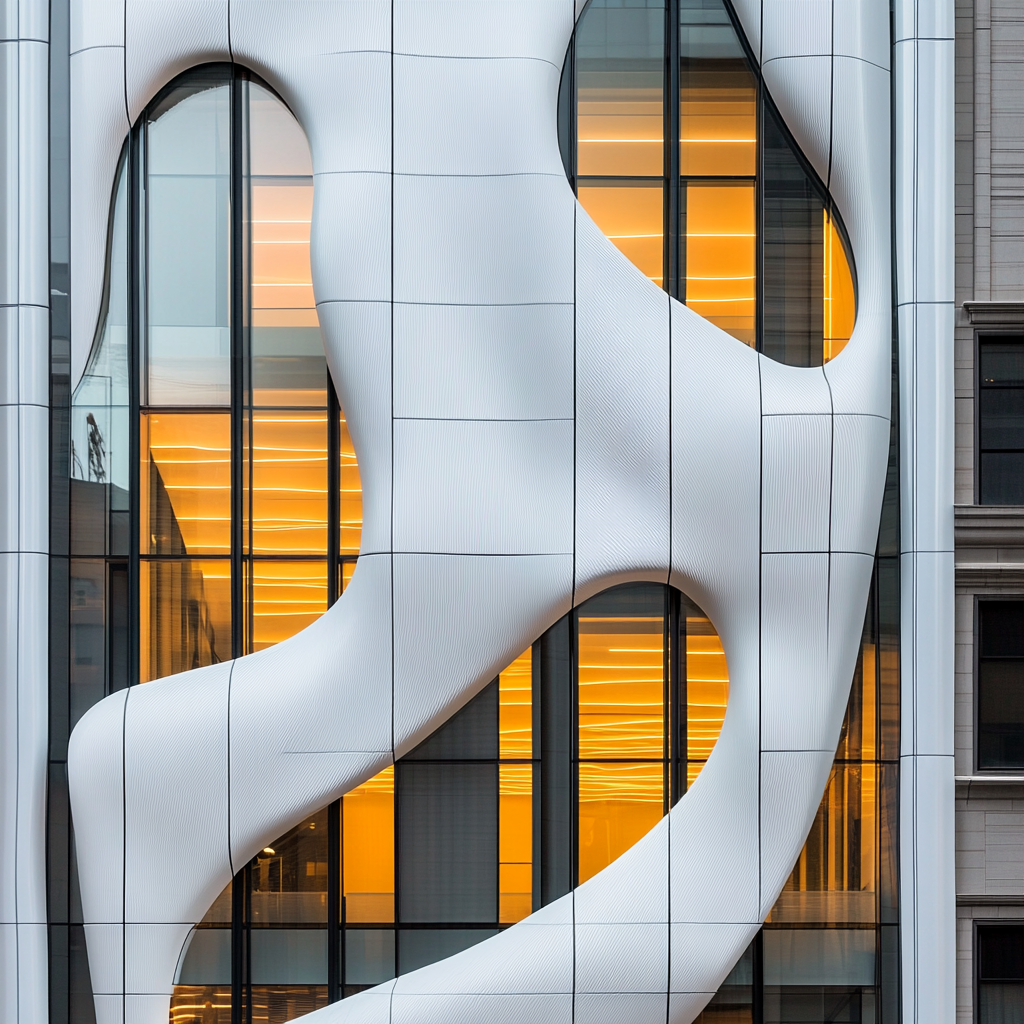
(718,122)
(515,708)
(619,129)
(186,484)
(351,495)
(839,299)
(515,842)
(201,1004)
(281,274)
(632,217)
(707,693)
(286,597)
(618,805)
(368,840)
(621,687)
(721,256)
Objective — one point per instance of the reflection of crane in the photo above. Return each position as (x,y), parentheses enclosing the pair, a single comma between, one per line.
(97,451)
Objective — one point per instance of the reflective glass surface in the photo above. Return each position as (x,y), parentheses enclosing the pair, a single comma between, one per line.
(1001,421)
(286,597)
(1000,685)
(368,837)
(707,691)
(631,214)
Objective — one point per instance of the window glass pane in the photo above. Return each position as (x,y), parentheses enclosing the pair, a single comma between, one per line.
(1000,1004)
(1001,953)
(619,805)
(515,710)
(422,946)
(448,842)
(515,842)
(720,256)
(718,95)
(185,497)
(210,1004)
(838,300)
(707,692)
(733,1002)
(631,214)
(470,734)
(1002,478)
(818,957)
(184,615)
(351,494)
(286,597)
(793,257)
(1002,361)
(1002,418)
(275,1004)
(1002,629)
(620,54)
(1000,713)
(368,838)
(188,247)
(369,956)
(289,478)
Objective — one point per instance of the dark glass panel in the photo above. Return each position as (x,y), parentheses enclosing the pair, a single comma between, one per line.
(184,615)
(447,842)
(420,947)
(1000,1004)
(1000,713)
(793,254)
(275,1004)
(1002,478)
(207,960)
(88,635)
(289,883)
(631,214)
(1002,418)
(368,851)
(718,94)
(620,54)
(888,843)
(1001,953)
(1002,361)
(1001,625)
(369,956)
(188,218)
(721,257)
(733,1002)
(470,734)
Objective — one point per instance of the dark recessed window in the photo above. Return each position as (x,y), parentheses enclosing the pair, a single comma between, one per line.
(1001,421)
(1000,964)
(1001,684)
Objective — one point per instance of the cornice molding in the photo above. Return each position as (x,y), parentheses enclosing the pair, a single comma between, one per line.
(1010,314)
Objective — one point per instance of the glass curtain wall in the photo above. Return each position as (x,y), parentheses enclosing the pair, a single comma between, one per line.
(677,153)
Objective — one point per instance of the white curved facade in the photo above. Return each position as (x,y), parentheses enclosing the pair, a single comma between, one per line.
(653,447)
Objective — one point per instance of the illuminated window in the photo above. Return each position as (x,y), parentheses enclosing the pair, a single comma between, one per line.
(705,194)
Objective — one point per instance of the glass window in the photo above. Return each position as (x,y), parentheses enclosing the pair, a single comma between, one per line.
(286,597)
(1000,965)
(1001,421)
(707,689)
(1000,685)
(631,214)
(368,837)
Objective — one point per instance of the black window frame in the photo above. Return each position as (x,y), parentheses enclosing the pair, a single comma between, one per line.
(979,600)
(981,336)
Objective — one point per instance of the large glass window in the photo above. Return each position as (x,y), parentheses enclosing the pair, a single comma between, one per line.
(999,962)
(676,152)
(1000,687)
(1001,420)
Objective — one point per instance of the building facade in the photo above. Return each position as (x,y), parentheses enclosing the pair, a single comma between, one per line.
(530,529)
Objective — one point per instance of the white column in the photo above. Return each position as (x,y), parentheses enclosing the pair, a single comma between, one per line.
(24,514)
(923,89)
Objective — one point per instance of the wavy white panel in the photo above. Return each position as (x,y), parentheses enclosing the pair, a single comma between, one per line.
(622,417)
(95,781)
(350,237)
(163,39)
(357,338)
(792,783)
(96,23)
(33,471)
(793,389)
(620,1008)
(860,446)
(634,887)
(9,176)
(749,14)
(538,29)
(483,487)
(461,116)
(459,620)
(798,700)
(472,1008)
(99,126)
(33,196)
(849,579)
(468,362)
(925,21)
(9,355)
(862,30)
(161,719)
(622,958)
(534,957)
(109,1009)
(8,734)
(695,944)
(797,472)
(24,359)
(796,28)
(484,240)
(802,90)
(148,950)
(370,1007)
(331,63)
(9,483)
(860,376)
(295,748)
(106,947)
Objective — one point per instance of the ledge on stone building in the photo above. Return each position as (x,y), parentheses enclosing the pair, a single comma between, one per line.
(1009,314)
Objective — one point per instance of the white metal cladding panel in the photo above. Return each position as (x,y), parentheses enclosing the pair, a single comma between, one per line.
(467,362)
(691,944)
(96,23)
(622,418)
(862,30)
(802,90)
(469,1008)
(624,957)
(796,28)
(786,390)
(620,1008)
(858,479)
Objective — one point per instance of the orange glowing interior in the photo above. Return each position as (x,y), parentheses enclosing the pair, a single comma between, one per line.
(619,129)
(369,850)
(839,301)
(515,842)
(718,124)
(286,597)
(515,709)
(707,693)
(721,256)
(631,215)
(282,281)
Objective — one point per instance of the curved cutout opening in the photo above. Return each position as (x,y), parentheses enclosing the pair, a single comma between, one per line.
(673,146)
